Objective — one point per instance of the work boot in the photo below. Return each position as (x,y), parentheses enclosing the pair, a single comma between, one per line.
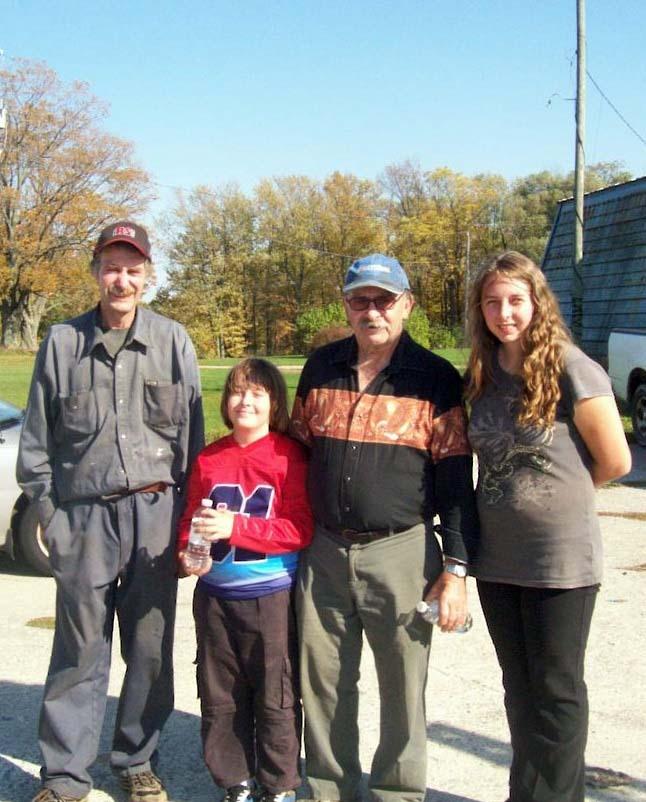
(145,786)
(50,795)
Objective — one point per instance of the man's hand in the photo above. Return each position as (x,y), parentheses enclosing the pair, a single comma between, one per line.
(451,592)
(184,569)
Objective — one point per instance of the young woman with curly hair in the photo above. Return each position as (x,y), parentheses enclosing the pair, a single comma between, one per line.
(546,431)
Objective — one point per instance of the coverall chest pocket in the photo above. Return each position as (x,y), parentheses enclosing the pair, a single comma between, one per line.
(77,417)
(163,404)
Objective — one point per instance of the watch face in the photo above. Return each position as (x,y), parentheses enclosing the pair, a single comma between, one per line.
(456,570)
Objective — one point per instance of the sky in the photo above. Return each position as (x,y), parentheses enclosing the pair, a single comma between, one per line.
(212,92)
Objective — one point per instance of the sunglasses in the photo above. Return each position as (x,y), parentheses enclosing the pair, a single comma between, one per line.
(359,303)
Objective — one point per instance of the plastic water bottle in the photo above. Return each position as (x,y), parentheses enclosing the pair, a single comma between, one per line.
(431,613)
(199,549)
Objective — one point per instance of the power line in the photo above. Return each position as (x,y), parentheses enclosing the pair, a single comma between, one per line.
(614,108)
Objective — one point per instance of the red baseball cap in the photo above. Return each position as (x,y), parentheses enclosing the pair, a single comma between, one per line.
(124,231)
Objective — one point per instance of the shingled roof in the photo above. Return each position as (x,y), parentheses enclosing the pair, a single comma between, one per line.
(614,262)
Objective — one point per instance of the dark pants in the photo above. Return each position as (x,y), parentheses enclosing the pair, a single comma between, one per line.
(540,636)
(247,679)
(109,557)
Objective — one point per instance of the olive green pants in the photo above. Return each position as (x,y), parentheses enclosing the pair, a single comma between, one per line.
(344,591)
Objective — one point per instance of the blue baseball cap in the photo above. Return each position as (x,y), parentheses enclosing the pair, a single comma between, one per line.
(376,270)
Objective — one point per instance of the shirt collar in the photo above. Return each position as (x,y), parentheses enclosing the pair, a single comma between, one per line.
(139,331)
(402,355)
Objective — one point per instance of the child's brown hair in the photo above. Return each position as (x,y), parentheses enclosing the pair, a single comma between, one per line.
(264,374)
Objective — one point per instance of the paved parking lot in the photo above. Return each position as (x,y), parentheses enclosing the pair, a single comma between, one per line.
(467,735)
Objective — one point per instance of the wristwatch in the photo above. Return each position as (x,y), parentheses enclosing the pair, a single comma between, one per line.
(457,569)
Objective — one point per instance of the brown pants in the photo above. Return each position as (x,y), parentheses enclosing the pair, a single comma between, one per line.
(247,679)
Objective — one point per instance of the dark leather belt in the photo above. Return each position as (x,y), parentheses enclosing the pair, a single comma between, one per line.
(369,536)
(155,487)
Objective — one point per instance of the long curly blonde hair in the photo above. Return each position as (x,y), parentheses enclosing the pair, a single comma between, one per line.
(543,341)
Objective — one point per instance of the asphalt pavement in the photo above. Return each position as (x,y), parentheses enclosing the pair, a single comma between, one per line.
(468,747)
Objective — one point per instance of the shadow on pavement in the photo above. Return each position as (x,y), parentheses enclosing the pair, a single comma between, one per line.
(180,760)
(16,567)
(637,475)
(181,763)
(490,749)
(499,753)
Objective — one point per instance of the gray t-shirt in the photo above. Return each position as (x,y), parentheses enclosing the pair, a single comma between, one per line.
(114,340)
(535,494)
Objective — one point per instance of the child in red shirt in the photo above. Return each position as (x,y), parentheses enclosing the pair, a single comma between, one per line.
(247,670)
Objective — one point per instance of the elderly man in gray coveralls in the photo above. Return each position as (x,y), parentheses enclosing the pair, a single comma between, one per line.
(113,423)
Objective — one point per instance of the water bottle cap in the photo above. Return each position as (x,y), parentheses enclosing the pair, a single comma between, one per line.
(207,502)
(421,606)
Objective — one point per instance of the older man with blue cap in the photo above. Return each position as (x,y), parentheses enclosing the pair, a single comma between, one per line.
(385,423)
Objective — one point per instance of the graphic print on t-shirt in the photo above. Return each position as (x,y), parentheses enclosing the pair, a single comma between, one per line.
(257,504)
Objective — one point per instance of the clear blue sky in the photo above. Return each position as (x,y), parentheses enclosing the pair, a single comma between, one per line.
(213,91)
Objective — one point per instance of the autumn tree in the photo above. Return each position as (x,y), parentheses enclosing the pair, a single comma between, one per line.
(440,222)
(405,185)
(260,273)
(269,257)
(76,294)
(289,213)
(62,178)
(309,233)
(532,203)
(210,248)
(352,224)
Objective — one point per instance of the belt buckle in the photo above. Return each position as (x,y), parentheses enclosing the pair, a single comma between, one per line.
(358,536)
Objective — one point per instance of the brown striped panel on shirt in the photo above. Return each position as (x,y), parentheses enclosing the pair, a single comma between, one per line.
(381,419)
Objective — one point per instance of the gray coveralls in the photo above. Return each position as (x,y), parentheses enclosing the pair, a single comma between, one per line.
(97,429)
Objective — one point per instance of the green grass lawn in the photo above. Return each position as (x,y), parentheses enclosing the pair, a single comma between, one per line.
(288,361)
(16,368)
(213,384)
(15,375)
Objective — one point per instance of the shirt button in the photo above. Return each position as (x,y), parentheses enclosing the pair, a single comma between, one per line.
(121,400)
(123,436)
(348,478)
(354,447)
(346,509)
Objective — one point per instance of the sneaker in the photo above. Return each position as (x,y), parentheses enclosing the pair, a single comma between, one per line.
(143,787)
(49,795)
(283,796)
(239,793)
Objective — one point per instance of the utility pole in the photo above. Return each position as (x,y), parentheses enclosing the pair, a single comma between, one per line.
(3,116)
(467,277)
(576,289)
